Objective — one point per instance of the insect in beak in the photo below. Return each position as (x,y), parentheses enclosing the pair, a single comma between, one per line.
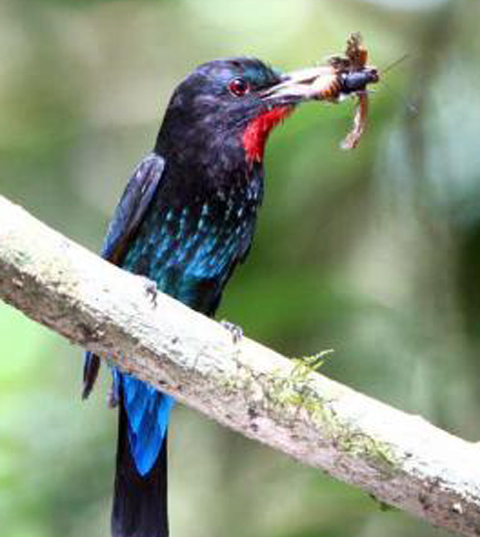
(355,75)
(343,75)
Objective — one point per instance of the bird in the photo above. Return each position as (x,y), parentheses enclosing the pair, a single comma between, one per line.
(186,220)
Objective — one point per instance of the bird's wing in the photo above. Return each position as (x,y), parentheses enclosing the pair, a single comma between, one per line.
(132,207)
(127,217)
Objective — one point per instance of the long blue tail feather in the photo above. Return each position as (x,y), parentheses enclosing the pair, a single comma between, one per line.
(148,414)
(140,501)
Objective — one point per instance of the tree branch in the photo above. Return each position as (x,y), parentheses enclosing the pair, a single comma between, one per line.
(400,459)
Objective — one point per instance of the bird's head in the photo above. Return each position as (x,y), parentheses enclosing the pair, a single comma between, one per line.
(225,109)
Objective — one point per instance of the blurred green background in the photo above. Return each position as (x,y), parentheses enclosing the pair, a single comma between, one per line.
(375,252)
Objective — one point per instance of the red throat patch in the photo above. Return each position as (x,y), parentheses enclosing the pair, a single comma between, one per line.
(255,135)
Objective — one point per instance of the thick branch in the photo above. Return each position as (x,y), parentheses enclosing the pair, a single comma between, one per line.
(400,459)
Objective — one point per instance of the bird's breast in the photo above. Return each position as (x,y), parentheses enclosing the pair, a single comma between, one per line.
(191,250)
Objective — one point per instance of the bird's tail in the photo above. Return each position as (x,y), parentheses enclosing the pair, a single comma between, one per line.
(140,502)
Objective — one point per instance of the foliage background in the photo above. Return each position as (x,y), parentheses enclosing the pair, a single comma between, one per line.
(374,253)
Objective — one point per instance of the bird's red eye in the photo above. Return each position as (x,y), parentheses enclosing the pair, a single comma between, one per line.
(238,87)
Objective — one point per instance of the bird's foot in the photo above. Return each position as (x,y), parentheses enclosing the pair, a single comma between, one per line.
(113,397)
(235,330)
(151,290)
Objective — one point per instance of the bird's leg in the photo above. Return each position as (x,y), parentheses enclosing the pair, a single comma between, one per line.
(235,330)
(113,398)
(151,290)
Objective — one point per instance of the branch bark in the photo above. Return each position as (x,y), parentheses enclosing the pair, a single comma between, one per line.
(400,459)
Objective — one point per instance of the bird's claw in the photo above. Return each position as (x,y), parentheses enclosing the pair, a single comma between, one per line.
(235,330)
(151,290)
(112,398)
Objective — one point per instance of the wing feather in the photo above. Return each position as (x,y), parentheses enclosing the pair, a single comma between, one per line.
(126,220)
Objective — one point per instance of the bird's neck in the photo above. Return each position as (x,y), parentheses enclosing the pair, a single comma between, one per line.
(226,183)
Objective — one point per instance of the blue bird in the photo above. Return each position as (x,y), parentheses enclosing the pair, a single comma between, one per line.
(186,220)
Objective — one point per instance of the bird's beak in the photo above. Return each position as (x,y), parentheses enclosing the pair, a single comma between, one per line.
(318,83)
